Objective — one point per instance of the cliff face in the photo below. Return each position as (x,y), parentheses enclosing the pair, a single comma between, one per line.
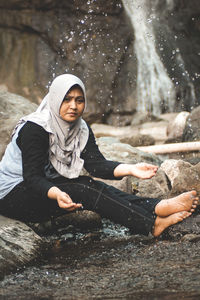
(178,44)
(93,39)
(96,41)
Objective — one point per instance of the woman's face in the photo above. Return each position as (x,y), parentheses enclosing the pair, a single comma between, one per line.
(73,105)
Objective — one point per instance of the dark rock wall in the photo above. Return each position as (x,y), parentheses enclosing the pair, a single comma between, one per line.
(95,40)
(91,39)
(177,32)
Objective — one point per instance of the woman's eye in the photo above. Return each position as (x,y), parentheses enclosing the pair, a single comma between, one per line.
(80,100)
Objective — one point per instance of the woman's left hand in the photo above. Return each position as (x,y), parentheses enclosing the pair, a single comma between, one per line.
(143,170)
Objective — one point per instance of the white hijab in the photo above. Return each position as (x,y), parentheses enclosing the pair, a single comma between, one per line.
(66,140)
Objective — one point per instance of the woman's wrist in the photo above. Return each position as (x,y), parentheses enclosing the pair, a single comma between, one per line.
(123,170)
(54,192)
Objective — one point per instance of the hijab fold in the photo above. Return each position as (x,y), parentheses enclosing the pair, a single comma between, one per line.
(66,140)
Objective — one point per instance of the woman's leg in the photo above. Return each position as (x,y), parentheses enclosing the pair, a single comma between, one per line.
(131,211)
(141,215)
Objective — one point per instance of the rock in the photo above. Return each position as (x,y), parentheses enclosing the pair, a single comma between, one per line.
(93,41)
(156,187)
(143,117)
(187,230)
(124,153)
(182,176)
(18,245)
(69,222)
(155,130)
(176,127)
(138,140)
(158,130)
(80,219)
(12,108)
(101,130)
(191,131)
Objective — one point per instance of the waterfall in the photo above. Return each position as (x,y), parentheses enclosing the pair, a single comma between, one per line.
(154,87)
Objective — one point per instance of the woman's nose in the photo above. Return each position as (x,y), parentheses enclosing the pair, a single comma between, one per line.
(73,104)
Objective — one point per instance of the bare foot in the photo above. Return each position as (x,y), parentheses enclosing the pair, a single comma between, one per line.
(184,202)
(162,223)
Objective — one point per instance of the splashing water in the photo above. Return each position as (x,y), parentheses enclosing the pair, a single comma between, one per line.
(155,89)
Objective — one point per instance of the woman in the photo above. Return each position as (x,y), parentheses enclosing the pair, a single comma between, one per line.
(40,173)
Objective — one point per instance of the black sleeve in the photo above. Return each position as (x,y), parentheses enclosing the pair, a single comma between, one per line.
(33,142)
(94,161)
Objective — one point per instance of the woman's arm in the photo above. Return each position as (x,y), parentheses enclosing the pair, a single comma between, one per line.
(140,170)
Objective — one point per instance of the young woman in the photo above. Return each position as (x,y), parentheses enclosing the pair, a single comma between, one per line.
(40,172)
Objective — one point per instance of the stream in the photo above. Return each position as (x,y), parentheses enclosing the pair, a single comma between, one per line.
(109,263)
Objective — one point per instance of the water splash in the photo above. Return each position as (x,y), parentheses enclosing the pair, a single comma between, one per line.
(155,90)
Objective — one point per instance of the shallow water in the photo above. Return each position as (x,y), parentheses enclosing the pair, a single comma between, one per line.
(109,264)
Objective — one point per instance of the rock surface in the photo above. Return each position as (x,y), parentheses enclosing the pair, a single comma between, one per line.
(18,245)
(95,40)
(191,131)
(92,40)
(12,108)
(182,176)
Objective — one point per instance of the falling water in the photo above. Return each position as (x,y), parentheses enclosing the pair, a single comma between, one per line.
(154,87)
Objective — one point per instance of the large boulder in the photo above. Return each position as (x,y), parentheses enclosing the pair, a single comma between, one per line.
(92,40)
(12,108)
(96,41)
(182,176)
(176,127)
(191,131)
(112,149)
(19,245)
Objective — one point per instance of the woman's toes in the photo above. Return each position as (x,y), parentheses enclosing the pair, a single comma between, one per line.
(194,193)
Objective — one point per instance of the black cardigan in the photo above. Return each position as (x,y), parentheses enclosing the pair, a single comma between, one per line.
(33,142)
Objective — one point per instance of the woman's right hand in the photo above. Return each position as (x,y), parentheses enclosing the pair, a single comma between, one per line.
(63,199)
(65,202)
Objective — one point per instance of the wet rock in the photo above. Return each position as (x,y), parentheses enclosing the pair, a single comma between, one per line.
(70,222)
(101,130)
(138,140)
(89,39)
(156,130)
(12,108)
(156,187)
(190,237)
(125,153)
(18,245)
(182,175)
(143,117)
(191,130)
(187,230)
(176,127)
(79,219)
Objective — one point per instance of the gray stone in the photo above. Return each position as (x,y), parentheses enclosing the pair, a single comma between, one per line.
(189,227)
(176,127)
(12,108)
(182,176)
(19,245)
(191,130)
(138,140)
(124,153)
